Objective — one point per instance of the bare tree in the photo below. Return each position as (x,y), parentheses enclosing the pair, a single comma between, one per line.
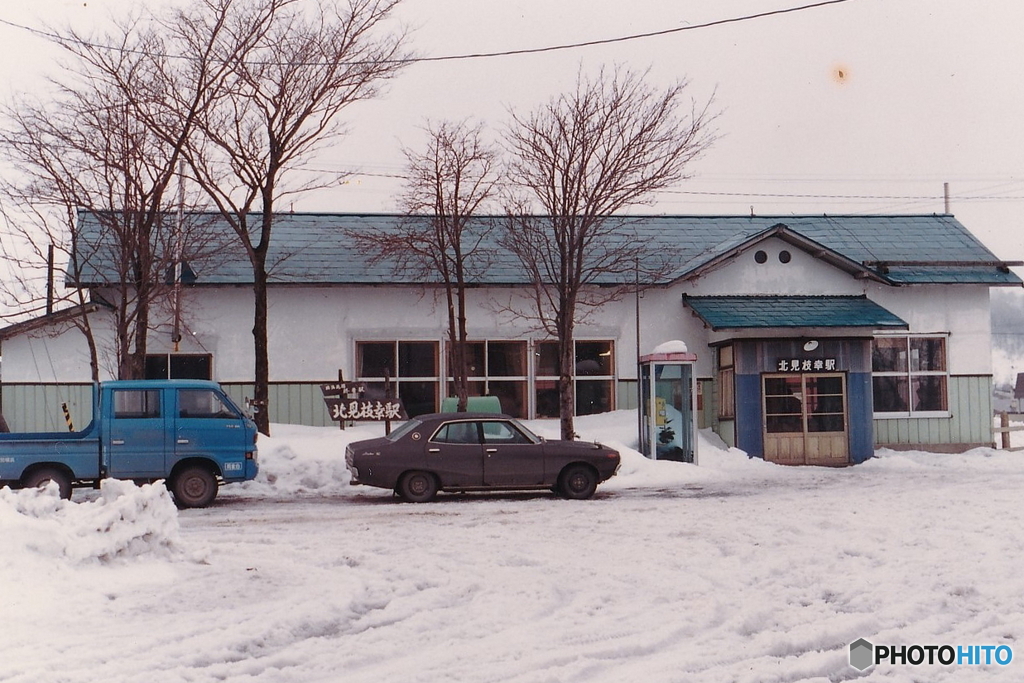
(442,236)
(293,67)
(577,161)
(109,144)
(93,180)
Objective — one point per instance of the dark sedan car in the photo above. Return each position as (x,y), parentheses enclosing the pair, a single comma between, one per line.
(476,451)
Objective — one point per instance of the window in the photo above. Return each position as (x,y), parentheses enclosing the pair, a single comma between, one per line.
(203,403)
(178,366)
(502,433)
(136,404)
(726,384)
(594,377)
(796,404)
(498,368)
(458,432)
(909,375)
(412,367)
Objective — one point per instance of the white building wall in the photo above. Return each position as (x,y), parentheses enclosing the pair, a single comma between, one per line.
(313,330)
(803,275)
(59,354)
(961,311)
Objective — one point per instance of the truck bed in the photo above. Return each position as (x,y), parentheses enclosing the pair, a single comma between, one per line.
(79,451)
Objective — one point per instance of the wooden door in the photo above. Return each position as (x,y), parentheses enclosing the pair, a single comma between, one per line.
(805,421)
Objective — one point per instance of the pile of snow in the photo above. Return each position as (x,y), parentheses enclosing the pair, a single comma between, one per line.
(671,346)
(304,460)
(125,521)
(731,570)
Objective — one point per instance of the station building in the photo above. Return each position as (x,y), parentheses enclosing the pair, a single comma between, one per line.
(817,338)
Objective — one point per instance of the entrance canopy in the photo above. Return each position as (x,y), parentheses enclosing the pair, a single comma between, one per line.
(758,312)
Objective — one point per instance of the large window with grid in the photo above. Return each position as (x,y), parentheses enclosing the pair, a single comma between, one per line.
(909,376)
(412,367)
(498,368)
(594,377)
(179,366)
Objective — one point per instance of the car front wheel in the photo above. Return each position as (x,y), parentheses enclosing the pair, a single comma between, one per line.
(578,482)
(417,487)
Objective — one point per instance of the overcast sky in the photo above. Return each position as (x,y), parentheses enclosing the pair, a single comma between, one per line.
(866,106)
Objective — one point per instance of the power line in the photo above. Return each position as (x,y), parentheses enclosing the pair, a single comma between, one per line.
(774,195)
(622,39)
(505,53)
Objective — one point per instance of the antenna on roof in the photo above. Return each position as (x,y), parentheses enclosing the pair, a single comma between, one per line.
(751,210)
(945,194)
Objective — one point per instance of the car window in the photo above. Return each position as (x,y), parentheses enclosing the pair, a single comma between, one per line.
(458,432)
(404,429)
(496,432)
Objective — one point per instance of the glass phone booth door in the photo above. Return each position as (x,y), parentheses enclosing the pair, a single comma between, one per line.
(668,415)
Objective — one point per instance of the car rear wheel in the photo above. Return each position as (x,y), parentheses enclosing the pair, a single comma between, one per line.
(417,487)
(41,477)
(194,487)
(578,482)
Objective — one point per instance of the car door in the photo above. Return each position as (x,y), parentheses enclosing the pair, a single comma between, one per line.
(511,458)
(135,439)
(207,426)
(454,453)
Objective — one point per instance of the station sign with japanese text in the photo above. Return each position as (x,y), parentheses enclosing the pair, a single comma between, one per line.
(806,365)
(356,401)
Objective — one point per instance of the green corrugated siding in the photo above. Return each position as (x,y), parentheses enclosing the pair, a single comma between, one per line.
(626,394)
(970,421)
(298,403)
(37,407)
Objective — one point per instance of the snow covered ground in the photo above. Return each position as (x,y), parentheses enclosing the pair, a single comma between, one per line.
(735,570)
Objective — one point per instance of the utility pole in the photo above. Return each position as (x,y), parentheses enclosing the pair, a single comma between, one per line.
(49,279)
(176,333)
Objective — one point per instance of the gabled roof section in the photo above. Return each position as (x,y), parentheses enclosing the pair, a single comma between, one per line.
(762,312)
(316,248)
(727,251)
(65,315)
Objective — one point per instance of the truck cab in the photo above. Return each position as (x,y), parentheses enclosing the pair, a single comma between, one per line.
(186,431)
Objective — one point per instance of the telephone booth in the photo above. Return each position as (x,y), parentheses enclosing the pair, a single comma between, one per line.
(668,410)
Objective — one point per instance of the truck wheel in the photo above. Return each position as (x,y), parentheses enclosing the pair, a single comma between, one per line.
(194,487)
(41,477)
(417,487)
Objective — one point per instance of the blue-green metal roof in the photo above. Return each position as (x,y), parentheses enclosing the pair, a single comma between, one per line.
(755,312)
(317,248)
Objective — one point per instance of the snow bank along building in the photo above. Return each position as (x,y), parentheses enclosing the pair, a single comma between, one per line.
(818,338)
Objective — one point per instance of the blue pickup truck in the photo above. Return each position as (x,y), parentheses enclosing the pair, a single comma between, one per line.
(186,432)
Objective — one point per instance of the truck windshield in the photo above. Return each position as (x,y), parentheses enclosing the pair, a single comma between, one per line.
(203,403)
